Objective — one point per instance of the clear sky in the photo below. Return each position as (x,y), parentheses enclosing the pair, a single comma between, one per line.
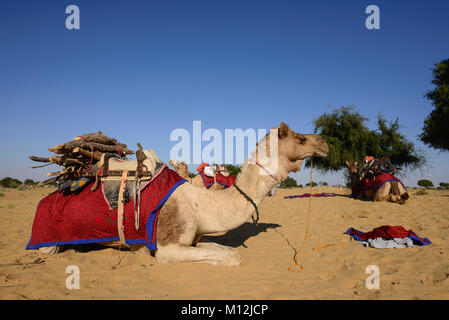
(137,70)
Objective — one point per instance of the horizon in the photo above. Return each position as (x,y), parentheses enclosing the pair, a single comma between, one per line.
(139,71)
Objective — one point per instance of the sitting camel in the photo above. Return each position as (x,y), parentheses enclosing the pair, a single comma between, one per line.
(392,191)
(181,169)
(191,212)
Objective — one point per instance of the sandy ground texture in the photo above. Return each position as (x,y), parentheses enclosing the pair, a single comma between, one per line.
(332,272)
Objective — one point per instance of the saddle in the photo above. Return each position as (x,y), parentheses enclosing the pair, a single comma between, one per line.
(374,167)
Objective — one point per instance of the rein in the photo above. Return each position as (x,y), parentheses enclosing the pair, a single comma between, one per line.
(251,200)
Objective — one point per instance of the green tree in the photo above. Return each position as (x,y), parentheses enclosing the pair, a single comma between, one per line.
(314,184)
(29,182)
(444,185)
(349,139)
(435,129)
(9,182)
(425,183)
(289,182)
(233,170)
(191,175)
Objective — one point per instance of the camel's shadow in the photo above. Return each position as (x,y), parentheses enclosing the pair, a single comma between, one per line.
(237,237)
(233,238)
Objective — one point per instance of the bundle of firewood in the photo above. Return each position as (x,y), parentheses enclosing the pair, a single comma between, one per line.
(78,157)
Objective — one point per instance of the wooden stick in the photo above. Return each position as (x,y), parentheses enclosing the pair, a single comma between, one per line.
(39,159)
(96,155)
(69,146)
(44,165)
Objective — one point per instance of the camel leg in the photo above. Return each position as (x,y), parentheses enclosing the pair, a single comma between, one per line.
(211,253)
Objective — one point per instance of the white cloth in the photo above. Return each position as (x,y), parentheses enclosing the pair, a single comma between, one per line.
(381,243)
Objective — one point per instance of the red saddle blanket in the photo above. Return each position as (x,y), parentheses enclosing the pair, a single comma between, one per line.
(219,178)
(85,217)
(373,183)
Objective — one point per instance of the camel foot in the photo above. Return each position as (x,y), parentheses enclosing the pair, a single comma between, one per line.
(210,253)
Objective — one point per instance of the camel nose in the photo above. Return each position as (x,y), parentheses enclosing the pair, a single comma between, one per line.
(323,143)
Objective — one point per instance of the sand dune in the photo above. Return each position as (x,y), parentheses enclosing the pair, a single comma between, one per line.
(334,272)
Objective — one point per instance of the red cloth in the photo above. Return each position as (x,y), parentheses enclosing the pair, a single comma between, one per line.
(373,183)
(219,178)
(84,217)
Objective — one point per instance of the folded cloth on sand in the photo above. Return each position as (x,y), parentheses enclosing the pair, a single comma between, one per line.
(387,233)
(219,178)
(85,217)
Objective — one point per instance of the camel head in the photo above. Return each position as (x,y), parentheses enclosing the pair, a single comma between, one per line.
(180,168)
(353,170)
(352,167)
(294,147)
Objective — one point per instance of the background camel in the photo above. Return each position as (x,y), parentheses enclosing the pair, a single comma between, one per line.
(182,169)
(191,212)
(392,191)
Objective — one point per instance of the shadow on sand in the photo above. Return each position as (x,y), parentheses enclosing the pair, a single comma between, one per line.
(237,237)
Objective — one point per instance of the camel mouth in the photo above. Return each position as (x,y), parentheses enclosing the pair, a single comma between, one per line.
(321,153)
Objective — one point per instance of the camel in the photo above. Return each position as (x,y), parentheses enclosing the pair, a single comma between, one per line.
(181,169)
(191,212)
(390,191)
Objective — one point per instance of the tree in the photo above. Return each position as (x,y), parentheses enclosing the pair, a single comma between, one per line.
(233,170)
(434,132)
(425,183)
(349,139)
(29,182)
(289,182)
(9,182)
(444,185)
(191,175)
(314,184)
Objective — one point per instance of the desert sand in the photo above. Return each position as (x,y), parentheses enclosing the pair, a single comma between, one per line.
(334,272)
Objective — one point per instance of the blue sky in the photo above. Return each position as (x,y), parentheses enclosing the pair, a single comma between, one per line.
(137,70)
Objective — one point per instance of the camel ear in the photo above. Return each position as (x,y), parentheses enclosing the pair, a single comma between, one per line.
(283,130)
(356,163)
(347,163)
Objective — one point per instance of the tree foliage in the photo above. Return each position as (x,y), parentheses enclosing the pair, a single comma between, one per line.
(349,139)
(233,170)
(29,182)
(435,129)
(289,182)
(425,183)
(444,185)
(9,182)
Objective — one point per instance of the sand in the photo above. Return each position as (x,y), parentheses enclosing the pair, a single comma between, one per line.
(334,272)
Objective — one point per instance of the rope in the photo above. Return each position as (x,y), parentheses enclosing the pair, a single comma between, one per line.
(298,265)
(251,201)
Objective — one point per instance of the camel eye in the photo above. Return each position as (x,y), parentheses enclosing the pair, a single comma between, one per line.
(301,138)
